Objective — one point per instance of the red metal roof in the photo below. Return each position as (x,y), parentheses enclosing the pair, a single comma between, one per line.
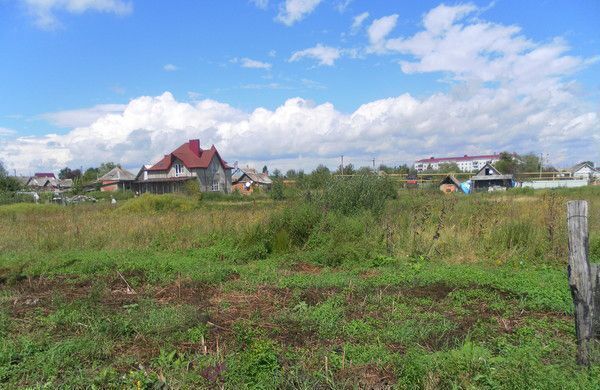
(45,174)
(463,158)
(191,155)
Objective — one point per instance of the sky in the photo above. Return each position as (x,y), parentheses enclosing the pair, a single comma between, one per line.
(296,83)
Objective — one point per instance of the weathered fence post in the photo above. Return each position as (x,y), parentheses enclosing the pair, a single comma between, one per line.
(580,277)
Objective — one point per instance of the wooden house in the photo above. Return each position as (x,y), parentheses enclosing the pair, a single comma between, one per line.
(116,179)
(450,184)
(188,163)
(246,180)
(489,178)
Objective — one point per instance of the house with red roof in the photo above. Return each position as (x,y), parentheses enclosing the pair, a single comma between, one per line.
(188,163)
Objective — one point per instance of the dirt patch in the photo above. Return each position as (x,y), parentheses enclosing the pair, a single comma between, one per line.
(306,268)
(315,295)
(436,291)
(367,377)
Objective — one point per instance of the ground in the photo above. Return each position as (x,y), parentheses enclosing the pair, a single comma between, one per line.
(200,310)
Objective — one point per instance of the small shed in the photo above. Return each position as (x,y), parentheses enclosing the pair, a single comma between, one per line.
(489,178)
(450,184)
(116,179)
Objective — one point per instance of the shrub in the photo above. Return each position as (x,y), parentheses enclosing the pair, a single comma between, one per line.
(351,194)
(157,203)
(277,190)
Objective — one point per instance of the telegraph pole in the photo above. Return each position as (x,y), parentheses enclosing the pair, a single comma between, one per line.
(541,163)
(342,166)
(373,165)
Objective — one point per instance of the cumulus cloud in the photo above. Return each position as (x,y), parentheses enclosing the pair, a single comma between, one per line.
(482,51)
(358,21)
(83,116)
(44,11)
(254,64)
(325,55)
(292,11)
(379,29)
(400,129)
(170,68)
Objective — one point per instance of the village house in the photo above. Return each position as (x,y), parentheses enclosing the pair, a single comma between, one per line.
(489,178)
(116,179)
(246,180)
(585,170)
(188,163)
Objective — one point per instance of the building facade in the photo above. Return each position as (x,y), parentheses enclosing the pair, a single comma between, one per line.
(188,163)
(465,163)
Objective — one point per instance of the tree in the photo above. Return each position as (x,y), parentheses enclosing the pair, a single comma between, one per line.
(507,163)
(68,173)
(291,174)
(265,169)
(106,167)
(3,171)
(8,183)
(277,190)
(277,173)
(364,171)
(319,177)
(448,168)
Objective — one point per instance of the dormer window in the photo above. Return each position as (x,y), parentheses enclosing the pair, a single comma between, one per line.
(178,169)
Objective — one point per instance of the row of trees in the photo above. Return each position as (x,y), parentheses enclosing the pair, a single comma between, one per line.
(7,183)
(90,174)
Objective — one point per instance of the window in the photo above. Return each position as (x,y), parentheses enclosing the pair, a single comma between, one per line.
(215,186)
(178,169)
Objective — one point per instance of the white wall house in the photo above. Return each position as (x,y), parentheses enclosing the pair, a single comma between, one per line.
(465,163)
(585,170)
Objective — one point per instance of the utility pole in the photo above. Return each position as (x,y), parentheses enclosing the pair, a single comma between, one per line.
(541,163)
(373,165)
(342,166)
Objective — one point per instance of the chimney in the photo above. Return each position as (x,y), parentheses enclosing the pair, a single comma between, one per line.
(195,146)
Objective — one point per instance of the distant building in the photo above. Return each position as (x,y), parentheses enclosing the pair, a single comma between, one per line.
(465,163)
(489,178)
(585,170)
(116,179)
(189,162)
(246,180)
(44,175)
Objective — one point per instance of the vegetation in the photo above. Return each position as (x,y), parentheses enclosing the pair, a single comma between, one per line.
(352,284)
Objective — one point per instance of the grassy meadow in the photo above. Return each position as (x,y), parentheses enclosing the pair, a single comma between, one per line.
(358,285)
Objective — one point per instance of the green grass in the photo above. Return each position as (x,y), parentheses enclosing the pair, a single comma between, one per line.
(434,292)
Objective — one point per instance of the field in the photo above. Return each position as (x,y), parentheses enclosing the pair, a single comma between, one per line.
(354,288)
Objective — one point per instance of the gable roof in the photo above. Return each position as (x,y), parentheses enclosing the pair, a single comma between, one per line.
(191,155)
(584,164)
(261,178)
(117,174)
(493,174)
(451,180)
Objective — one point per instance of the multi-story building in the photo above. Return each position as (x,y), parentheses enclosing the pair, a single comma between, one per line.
(465,163)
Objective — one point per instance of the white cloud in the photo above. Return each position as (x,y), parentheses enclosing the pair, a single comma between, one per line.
(170,68)
(401,129)
(326,55)
(44,11)
(83,116)
(357,21)
(6,131)
(292,11)
(262,4)
(343,5)
(254,64)
(379,29)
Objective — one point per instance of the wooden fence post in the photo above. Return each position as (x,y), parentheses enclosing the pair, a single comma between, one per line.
(580,277)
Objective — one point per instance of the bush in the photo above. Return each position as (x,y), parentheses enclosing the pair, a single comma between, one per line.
(157,203)
(365,192)
(277,190)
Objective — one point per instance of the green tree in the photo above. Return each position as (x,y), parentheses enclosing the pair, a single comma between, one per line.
(507,163)
(8,183)
(319,177)
(364,171)
(106,167)
(277,190)
(277,173)
(291,174)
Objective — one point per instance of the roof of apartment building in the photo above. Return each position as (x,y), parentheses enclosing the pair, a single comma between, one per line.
(191,155)
(463,158)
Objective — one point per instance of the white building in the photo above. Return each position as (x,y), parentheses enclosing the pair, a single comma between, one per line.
(585,170)
(465,163)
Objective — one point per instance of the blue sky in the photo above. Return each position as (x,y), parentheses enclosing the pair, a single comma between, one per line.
(67,65)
